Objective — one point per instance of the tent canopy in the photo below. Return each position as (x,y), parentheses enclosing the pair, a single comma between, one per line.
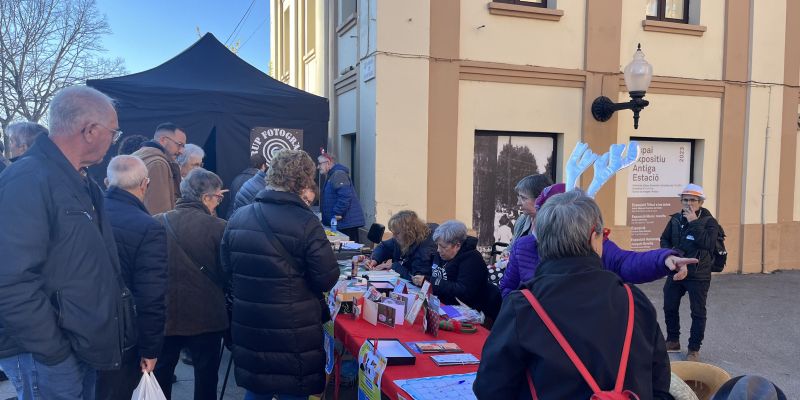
(216,98)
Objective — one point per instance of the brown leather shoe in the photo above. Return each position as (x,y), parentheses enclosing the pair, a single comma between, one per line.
(673,347)
(693,355)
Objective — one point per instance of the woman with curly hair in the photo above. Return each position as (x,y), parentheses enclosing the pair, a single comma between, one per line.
(411,248)
(281,262)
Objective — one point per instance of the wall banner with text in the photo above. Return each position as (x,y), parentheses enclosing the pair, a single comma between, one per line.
(269,141)
(654,184)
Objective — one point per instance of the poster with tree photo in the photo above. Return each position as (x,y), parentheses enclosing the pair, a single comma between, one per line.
(501,160)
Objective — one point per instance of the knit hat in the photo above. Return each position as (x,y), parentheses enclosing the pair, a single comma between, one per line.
(749,387)
(549,192)
(694,190)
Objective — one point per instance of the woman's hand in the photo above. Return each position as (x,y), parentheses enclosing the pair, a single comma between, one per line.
(371,264)
(418,279)
(679,265)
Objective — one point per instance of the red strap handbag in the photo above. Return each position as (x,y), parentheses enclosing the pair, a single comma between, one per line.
(618,393)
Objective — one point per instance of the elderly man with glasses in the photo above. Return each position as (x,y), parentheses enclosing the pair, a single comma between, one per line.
(142,248)
(62,296)
(692,231)
(160,155)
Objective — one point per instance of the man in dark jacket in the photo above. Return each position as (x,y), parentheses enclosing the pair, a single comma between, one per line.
(277,314)
(60,308)
(693,232)
(142,248)
(247,193)
(459,272)
(588,305)
(3,164)
(257,163)
(339,198)
(21,136)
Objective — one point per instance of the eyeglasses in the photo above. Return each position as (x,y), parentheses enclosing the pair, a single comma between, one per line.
(115,133)
(219,197)
(690,200)
(180,144)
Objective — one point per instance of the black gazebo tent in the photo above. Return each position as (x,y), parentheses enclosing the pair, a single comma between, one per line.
(217,98)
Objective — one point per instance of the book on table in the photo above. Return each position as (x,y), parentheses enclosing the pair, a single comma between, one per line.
(439,348)
(455,359)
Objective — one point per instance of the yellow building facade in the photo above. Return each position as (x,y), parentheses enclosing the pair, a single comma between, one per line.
(416,86)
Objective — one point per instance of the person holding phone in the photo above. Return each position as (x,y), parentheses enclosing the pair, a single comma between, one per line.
(693,232)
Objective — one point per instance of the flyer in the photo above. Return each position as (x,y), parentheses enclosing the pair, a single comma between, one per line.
(371,365)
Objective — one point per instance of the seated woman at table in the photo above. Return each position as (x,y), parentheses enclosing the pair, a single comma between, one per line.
(459,272)
(589,306)
(631,266)
(411,248)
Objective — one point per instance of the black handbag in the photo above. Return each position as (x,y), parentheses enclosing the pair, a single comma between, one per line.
(326,316)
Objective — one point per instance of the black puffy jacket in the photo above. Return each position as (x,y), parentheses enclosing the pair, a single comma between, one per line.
(466,277)
(416,261)
(277,318)
(60,291)
(142,249)
(589,306)
(250,188)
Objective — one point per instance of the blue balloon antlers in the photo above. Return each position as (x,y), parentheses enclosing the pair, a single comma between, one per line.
(617,158)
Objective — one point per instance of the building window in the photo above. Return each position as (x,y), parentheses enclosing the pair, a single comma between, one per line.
(668,10)
(310,36)
(346,9)
(285,42)
(533,3)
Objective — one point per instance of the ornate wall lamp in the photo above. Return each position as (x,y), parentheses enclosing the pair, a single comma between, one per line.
(638,75)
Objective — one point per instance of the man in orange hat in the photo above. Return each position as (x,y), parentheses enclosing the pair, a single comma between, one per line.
(693,232)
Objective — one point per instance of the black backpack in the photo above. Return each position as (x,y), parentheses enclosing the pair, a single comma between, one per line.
(720,254)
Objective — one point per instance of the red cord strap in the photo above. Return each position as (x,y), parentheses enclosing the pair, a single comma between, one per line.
(551,326)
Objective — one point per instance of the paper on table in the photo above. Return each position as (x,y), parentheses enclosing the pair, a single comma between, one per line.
(412,313)
(370,311)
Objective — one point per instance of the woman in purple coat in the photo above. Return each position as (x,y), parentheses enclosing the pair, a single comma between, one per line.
(631,266)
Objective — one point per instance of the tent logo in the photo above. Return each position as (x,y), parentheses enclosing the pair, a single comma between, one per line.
(269,141)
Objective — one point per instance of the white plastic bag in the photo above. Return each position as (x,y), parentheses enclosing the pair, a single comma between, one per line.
(148,389)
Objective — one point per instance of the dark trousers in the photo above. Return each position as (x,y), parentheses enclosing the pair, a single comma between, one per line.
(698,293)
(119,384)
(351,232)
(205,350)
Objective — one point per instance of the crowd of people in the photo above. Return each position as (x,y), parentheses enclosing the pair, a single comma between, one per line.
(103,283)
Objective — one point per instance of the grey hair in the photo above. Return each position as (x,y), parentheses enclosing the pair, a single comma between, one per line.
(189,151)
(450,232)
(532,185)
(126,172)
(564,225)
(75,106)
(24,133)
(199,182)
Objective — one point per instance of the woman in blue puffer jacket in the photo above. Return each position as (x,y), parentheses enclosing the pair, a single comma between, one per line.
(631,266)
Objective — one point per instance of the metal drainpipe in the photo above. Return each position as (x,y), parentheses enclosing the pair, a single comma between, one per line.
(764,188)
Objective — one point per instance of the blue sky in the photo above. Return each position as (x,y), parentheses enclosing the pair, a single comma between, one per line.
(148,32)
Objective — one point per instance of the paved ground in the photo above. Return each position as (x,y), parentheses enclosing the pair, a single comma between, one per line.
(753,328)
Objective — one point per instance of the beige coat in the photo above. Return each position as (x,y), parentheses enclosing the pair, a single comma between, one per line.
(163,190)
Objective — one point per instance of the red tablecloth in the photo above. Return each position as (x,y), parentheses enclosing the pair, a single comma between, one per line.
(353,333)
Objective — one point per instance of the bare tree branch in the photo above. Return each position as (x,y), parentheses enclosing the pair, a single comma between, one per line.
(46,45)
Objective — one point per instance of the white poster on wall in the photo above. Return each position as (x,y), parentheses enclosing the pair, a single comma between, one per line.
(654,183)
